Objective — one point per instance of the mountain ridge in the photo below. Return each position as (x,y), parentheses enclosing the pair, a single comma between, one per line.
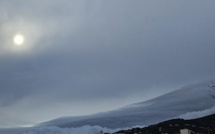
(204,125)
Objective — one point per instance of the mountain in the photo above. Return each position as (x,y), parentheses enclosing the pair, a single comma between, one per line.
(204,125)
(188,102)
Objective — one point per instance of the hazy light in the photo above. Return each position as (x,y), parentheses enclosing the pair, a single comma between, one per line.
(18,39)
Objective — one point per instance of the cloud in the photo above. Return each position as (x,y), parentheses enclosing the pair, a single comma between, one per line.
(78,130)
(198,114)
(85,54)
(32,32)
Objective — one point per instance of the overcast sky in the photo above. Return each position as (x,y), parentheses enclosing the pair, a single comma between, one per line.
(86,56)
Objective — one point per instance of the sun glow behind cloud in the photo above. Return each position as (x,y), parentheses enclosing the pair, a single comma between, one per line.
(20,35)
(18,39)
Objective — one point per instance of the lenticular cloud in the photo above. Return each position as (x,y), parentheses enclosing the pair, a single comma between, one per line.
(78,130)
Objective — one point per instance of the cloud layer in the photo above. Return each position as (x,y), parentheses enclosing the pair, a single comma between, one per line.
(81,55)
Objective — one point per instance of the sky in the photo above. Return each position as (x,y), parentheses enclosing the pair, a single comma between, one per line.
(81,57)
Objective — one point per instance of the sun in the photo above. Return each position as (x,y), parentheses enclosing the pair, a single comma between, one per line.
(18,39)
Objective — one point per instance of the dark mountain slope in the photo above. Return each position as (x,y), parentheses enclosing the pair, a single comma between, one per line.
(205,125)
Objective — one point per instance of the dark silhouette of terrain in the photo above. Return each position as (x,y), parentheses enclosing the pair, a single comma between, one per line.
(204,125)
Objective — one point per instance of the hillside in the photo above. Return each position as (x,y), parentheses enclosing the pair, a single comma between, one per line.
(205,125)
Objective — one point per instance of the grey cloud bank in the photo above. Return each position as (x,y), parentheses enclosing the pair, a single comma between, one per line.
(191,101)
(82,55)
